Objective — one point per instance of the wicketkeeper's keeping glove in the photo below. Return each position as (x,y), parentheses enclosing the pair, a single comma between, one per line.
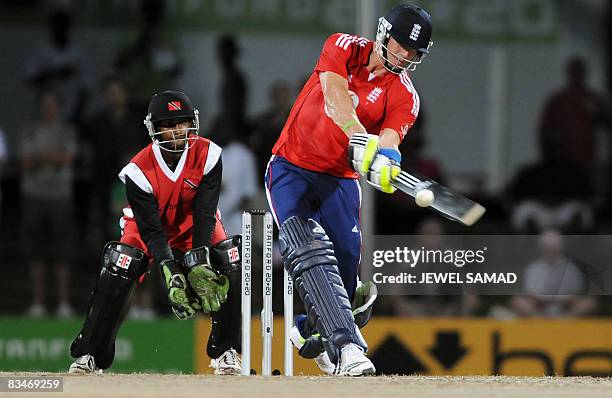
(209,285)
(177,286)
(380,166)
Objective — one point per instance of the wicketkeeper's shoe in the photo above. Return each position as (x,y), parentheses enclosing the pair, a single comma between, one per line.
(84,365)
(353,362)
(227,364)
(322,360)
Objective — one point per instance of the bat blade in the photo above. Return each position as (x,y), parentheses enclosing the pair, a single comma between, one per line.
(451,205)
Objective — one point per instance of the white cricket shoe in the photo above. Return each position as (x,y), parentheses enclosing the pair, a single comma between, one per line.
(322,360)
(353,362)
(227,364)
(84,365)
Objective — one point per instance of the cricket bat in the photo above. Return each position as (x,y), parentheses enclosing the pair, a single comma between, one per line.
(451,205)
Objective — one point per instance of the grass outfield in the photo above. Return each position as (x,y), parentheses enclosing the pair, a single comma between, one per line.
(200,386)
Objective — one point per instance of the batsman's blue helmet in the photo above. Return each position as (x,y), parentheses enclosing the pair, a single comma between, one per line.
(411,27)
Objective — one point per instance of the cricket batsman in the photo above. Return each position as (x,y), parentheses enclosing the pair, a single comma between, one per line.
(348,120)
(172,187)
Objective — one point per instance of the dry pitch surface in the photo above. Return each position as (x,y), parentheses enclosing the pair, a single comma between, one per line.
(200,386)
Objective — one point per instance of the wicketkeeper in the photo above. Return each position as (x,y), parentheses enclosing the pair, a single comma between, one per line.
(172,187)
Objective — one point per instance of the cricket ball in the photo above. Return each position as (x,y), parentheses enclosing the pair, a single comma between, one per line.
(424,198)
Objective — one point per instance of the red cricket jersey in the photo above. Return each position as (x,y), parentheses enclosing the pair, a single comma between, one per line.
(311,139)
(174,191)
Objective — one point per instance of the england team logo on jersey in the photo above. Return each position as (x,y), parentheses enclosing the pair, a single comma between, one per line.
(374,94)
(123,261)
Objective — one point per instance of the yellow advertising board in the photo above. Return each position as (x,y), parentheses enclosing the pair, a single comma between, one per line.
(529,347)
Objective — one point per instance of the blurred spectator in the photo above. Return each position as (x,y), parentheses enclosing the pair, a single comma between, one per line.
(115,134)
(554,283)
(239,184)
(151,62)
(574,113)
(48,150)
(59,65)
(269,124)
(234,90)
(552,193)
(231,130)
(233,93)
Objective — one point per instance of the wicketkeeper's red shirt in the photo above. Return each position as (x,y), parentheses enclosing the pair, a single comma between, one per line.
(173,190)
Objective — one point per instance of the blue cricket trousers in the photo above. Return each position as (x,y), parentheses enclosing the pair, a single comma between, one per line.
(331,201)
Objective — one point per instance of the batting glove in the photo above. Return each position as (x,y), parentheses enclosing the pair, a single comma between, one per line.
(380,166)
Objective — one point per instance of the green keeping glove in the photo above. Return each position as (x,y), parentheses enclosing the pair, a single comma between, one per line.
(177,290)
(210,287)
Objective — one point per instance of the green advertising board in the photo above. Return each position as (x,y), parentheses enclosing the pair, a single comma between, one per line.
(468,20)
(160,346)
